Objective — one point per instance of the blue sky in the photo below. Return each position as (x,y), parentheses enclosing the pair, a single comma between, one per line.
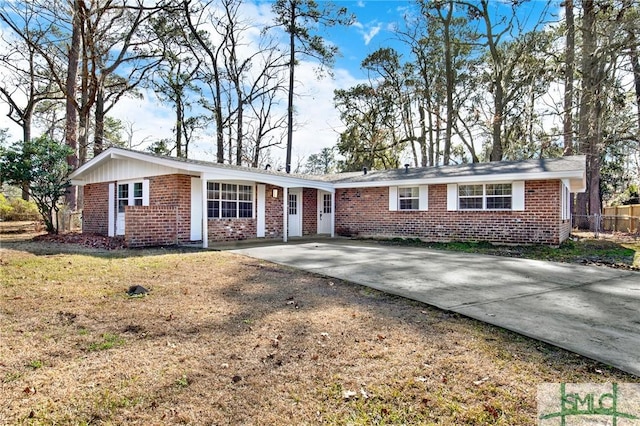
(318,122)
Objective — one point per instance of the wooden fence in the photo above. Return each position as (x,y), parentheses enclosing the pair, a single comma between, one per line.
(621,218)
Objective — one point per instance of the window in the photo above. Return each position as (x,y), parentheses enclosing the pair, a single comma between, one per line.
(137,194)
(123,197)
(408,198)
(498,196)
(226,200)
(495,196)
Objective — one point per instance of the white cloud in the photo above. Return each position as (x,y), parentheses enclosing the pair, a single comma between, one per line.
(368,31)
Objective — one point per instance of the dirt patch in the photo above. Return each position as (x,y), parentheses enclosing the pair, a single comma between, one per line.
(225,339)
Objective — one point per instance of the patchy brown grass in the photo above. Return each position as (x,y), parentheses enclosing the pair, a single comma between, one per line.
(225,339)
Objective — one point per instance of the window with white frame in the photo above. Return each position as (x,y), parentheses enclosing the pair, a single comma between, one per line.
(408,198)
(494,196)
(130,194)
(229,200)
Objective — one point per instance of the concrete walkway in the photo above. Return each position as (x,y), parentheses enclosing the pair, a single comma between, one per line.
(592,311)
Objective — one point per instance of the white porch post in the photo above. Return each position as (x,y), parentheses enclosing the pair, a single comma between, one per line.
(333,214)
(285,215)
(205,219)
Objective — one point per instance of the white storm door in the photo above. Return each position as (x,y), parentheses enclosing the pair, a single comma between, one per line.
(295,213)
(122,201)
(324,212)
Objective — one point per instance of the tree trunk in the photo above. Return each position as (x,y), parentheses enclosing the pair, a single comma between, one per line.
(239,124)
(292,60)
(98,137)
(179,121)
(590,115)
(567,119)
(496,125)
(635,63)
(423,137)
(450,78)
(71,123)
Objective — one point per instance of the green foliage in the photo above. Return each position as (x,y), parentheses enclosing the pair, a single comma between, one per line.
(108,341)
(40,163)
(321,163)
(12,209)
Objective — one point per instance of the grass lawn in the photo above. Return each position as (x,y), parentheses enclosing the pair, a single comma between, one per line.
(611,250)
(225,339)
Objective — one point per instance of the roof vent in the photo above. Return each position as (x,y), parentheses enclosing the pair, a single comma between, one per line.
(267,167)
(364,170)
(406,168)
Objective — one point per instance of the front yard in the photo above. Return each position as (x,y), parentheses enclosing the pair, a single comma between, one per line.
(224,339)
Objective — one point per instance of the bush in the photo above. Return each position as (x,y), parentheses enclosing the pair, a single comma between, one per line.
(14,209)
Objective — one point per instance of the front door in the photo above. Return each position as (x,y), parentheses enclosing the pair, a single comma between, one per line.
(129,194)
(295,213)
(324,212)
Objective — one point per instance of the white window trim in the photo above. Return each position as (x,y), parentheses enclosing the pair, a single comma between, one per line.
(517,197)
(253,199)
(423,198)
(131,192)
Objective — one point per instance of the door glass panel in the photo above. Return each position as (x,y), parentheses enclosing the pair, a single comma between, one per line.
(326,203)
(293,204)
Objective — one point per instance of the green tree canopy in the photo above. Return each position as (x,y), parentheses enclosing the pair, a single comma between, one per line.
(42,163)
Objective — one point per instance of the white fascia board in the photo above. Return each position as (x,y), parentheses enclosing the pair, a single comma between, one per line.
(571,174)
(202,170)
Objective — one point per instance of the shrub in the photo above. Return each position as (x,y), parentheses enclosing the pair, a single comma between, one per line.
(13,209)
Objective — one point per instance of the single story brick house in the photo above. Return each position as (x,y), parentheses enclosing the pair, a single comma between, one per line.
(157,200)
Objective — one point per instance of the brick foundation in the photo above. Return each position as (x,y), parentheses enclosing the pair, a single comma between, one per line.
(365,212)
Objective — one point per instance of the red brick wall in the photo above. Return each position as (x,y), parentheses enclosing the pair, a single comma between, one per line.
(309,211)
(172,191)
(151,226)
(95,213)
(273,212)
(231,229)
(365,212)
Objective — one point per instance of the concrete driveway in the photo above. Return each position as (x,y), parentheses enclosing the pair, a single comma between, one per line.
(592,311)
